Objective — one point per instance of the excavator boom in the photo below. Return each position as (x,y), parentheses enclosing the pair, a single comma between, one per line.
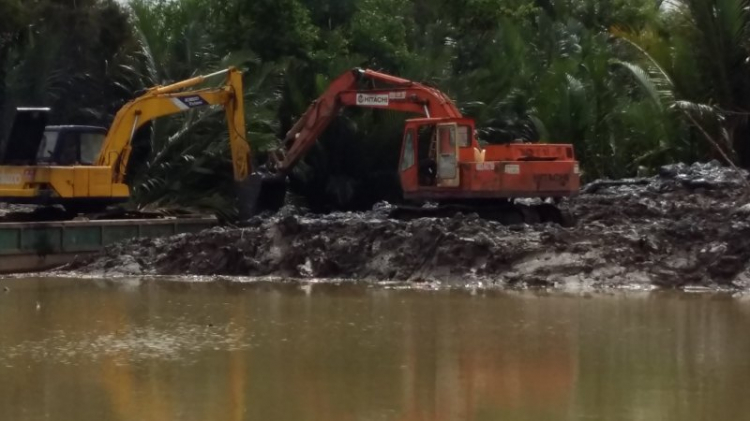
(361,88)
(166,100)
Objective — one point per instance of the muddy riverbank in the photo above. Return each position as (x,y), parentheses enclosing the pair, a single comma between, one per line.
(687,226)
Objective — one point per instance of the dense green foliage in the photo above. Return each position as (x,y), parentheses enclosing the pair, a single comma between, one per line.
(633,84)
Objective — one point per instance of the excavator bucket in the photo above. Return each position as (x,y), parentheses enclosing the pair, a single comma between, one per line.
(260,192)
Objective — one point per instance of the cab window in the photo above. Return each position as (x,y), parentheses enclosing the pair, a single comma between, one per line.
(447,137)
(67,150)
(70,147)
(408,159)
(91,143)
(463,136)
(47,146)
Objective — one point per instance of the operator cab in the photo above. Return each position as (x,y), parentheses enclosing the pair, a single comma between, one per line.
(70,145)
(432,150)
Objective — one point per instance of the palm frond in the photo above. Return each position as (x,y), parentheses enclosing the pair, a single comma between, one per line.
(647,83)
(698,110)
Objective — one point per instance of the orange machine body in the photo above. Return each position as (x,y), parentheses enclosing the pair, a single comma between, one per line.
(468,171)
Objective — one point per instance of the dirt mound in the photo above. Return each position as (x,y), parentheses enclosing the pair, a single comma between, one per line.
(689,225)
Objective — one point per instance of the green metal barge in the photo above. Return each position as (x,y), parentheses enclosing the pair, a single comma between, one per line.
(36,246)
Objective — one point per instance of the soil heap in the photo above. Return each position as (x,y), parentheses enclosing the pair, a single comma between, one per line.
(686,226)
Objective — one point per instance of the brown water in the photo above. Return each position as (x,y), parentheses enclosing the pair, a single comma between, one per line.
(93,350)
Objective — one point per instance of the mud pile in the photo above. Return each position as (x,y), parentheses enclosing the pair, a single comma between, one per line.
(689,225)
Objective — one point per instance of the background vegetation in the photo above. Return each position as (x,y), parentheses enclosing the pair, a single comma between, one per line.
(633,84)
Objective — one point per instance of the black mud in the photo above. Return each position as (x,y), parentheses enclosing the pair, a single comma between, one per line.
(688,226)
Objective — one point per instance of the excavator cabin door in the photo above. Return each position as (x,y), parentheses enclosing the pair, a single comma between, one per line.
(408,166)
(447,155)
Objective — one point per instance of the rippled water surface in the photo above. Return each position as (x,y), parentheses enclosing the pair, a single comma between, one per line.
(94,350)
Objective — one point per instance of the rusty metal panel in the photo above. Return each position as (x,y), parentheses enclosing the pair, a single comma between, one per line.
(10,241)
(44,245)
(42,240)
(114,233)
(85,238)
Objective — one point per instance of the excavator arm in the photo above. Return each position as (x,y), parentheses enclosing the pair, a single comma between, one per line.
(172,99)
(361,88)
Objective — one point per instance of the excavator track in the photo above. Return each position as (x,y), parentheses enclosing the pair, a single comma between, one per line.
(505,213)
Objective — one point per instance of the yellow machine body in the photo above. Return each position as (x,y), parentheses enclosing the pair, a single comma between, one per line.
(60,182)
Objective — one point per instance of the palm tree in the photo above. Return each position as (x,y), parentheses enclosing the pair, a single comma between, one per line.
(185,159)
(701,52)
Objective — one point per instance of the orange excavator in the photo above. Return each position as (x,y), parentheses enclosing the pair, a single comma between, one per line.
(441,159)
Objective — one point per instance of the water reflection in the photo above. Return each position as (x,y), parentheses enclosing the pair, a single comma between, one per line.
(100,350)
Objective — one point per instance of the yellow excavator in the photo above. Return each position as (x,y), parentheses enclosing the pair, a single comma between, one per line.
(83,168)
